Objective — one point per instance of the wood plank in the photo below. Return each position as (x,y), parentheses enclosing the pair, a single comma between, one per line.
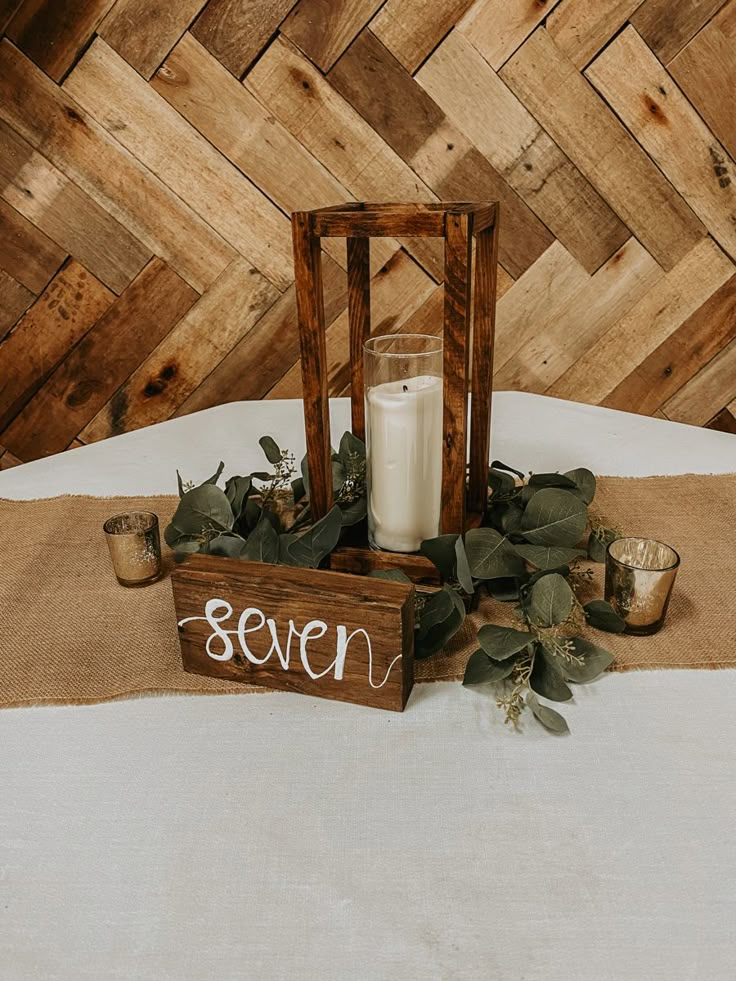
(66,214)
(148,127)
(688,349)
(14,301)
(372,665)
(236,31)
(7,10)
(485,263)
(581,28)
(268,350)
(66,310)
(704,395)
(53,32)
(187,354)
(144,31)
(667,27)
(723,422)
(7,460)
(26,253)
(310,307)
(323,29)
(402,113)
(100,362)
(656,112)
(547,346)
(411,29)
(706,68)
(359,318)
(396,291)
(496,28)
(587,131)
(498,125)
(299,96)
(673,299)
(55,125)
(231,118)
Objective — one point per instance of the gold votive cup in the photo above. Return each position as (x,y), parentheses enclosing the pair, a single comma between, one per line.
(135,547)
(640,574)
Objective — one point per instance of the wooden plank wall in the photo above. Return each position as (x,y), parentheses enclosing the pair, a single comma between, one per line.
(151,152)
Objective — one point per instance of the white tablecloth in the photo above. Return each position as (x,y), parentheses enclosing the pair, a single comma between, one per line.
(276,836)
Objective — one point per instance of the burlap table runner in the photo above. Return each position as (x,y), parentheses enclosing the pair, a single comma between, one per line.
(70,633)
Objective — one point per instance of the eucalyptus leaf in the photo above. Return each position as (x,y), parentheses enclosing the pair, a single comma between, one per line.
(180,484)
(501,643)
(548,556)
(597,546)
(339,474)
(501,483)
(261,475)
(551,601)
(298,489)
(546,679)
(440,619)
(527,492)
(584,483)
(490,555)
(462,567)
(552,480)
(595,660)
(547,716)
(441,552)
(173,535)
(504,590)
(354,512)
(481,670)
(285,541)
(394,575)
(509,517)
(312,547)
(270,447)
(185,548)
(230,546)
(251,514)
(216,475)
(554,517)
(602,616)
(350,446)
(497,465)
(203,508)
(237,490)
(262,544)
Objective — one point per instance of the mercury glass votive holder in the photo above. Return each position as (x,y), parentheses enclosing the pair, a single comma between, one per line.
(640,574)
(135,547)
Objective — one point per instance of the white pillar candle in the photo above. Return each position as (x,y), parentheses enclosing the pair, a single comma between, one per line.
(404,431)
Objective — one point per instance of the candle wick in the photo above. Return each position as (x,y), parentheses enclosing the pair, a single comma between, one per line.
(405,388)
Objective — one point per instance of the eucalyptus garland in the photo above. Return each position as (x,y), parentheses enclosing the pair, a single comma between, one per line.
(527,554)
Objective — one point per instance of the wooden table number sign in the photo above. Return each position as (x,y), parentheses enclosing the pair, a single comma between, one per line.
(340,634)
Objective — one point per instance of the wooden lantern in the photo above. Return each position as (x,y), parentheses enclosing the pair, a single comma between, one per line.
(458,224)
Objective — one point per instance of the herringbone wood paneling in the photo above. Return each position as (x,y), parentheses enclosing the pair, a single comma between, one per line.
(151,152)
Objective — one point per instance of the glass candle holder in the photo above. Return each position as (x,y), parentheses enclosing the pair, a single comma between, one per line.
(640,574)
(403,421)
(135,547)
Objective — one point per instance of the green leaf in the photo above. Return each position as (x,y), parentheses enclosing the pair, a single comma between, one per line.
(602,616)
(354,512)
(508,517)
(546,679)
(595,661)
(548,717)
(186,547)
(203,508)
(500,482)
(554,517)
(441,552)
(262,544)
(251,514)
(350,446)
(501,643)
(270,447)
(440,619)
(597,546)
(481,670)
(584,483)
(237,490)
(548,556)
(216,475)
(490,555)
(180,484)
(312,547)
(261,475)
(230,546)
(285,541)
(552,480)
(497,465)
(297,489)
(550,601)
(462,568)
(394,575)
(504,590)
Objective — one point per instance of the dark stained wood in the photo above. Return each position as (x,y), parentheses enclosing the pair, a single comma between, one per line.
(667,27)
(311,315)
(236,31)
(324,28)
(53,32)
(359,314)
(66,310)
(7,9)
(377,222)
(25,252)
(724,422)
(458,232)
(362,561)
(14,301)
(378,670)
(89,376)
(144,31)
(484,321)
